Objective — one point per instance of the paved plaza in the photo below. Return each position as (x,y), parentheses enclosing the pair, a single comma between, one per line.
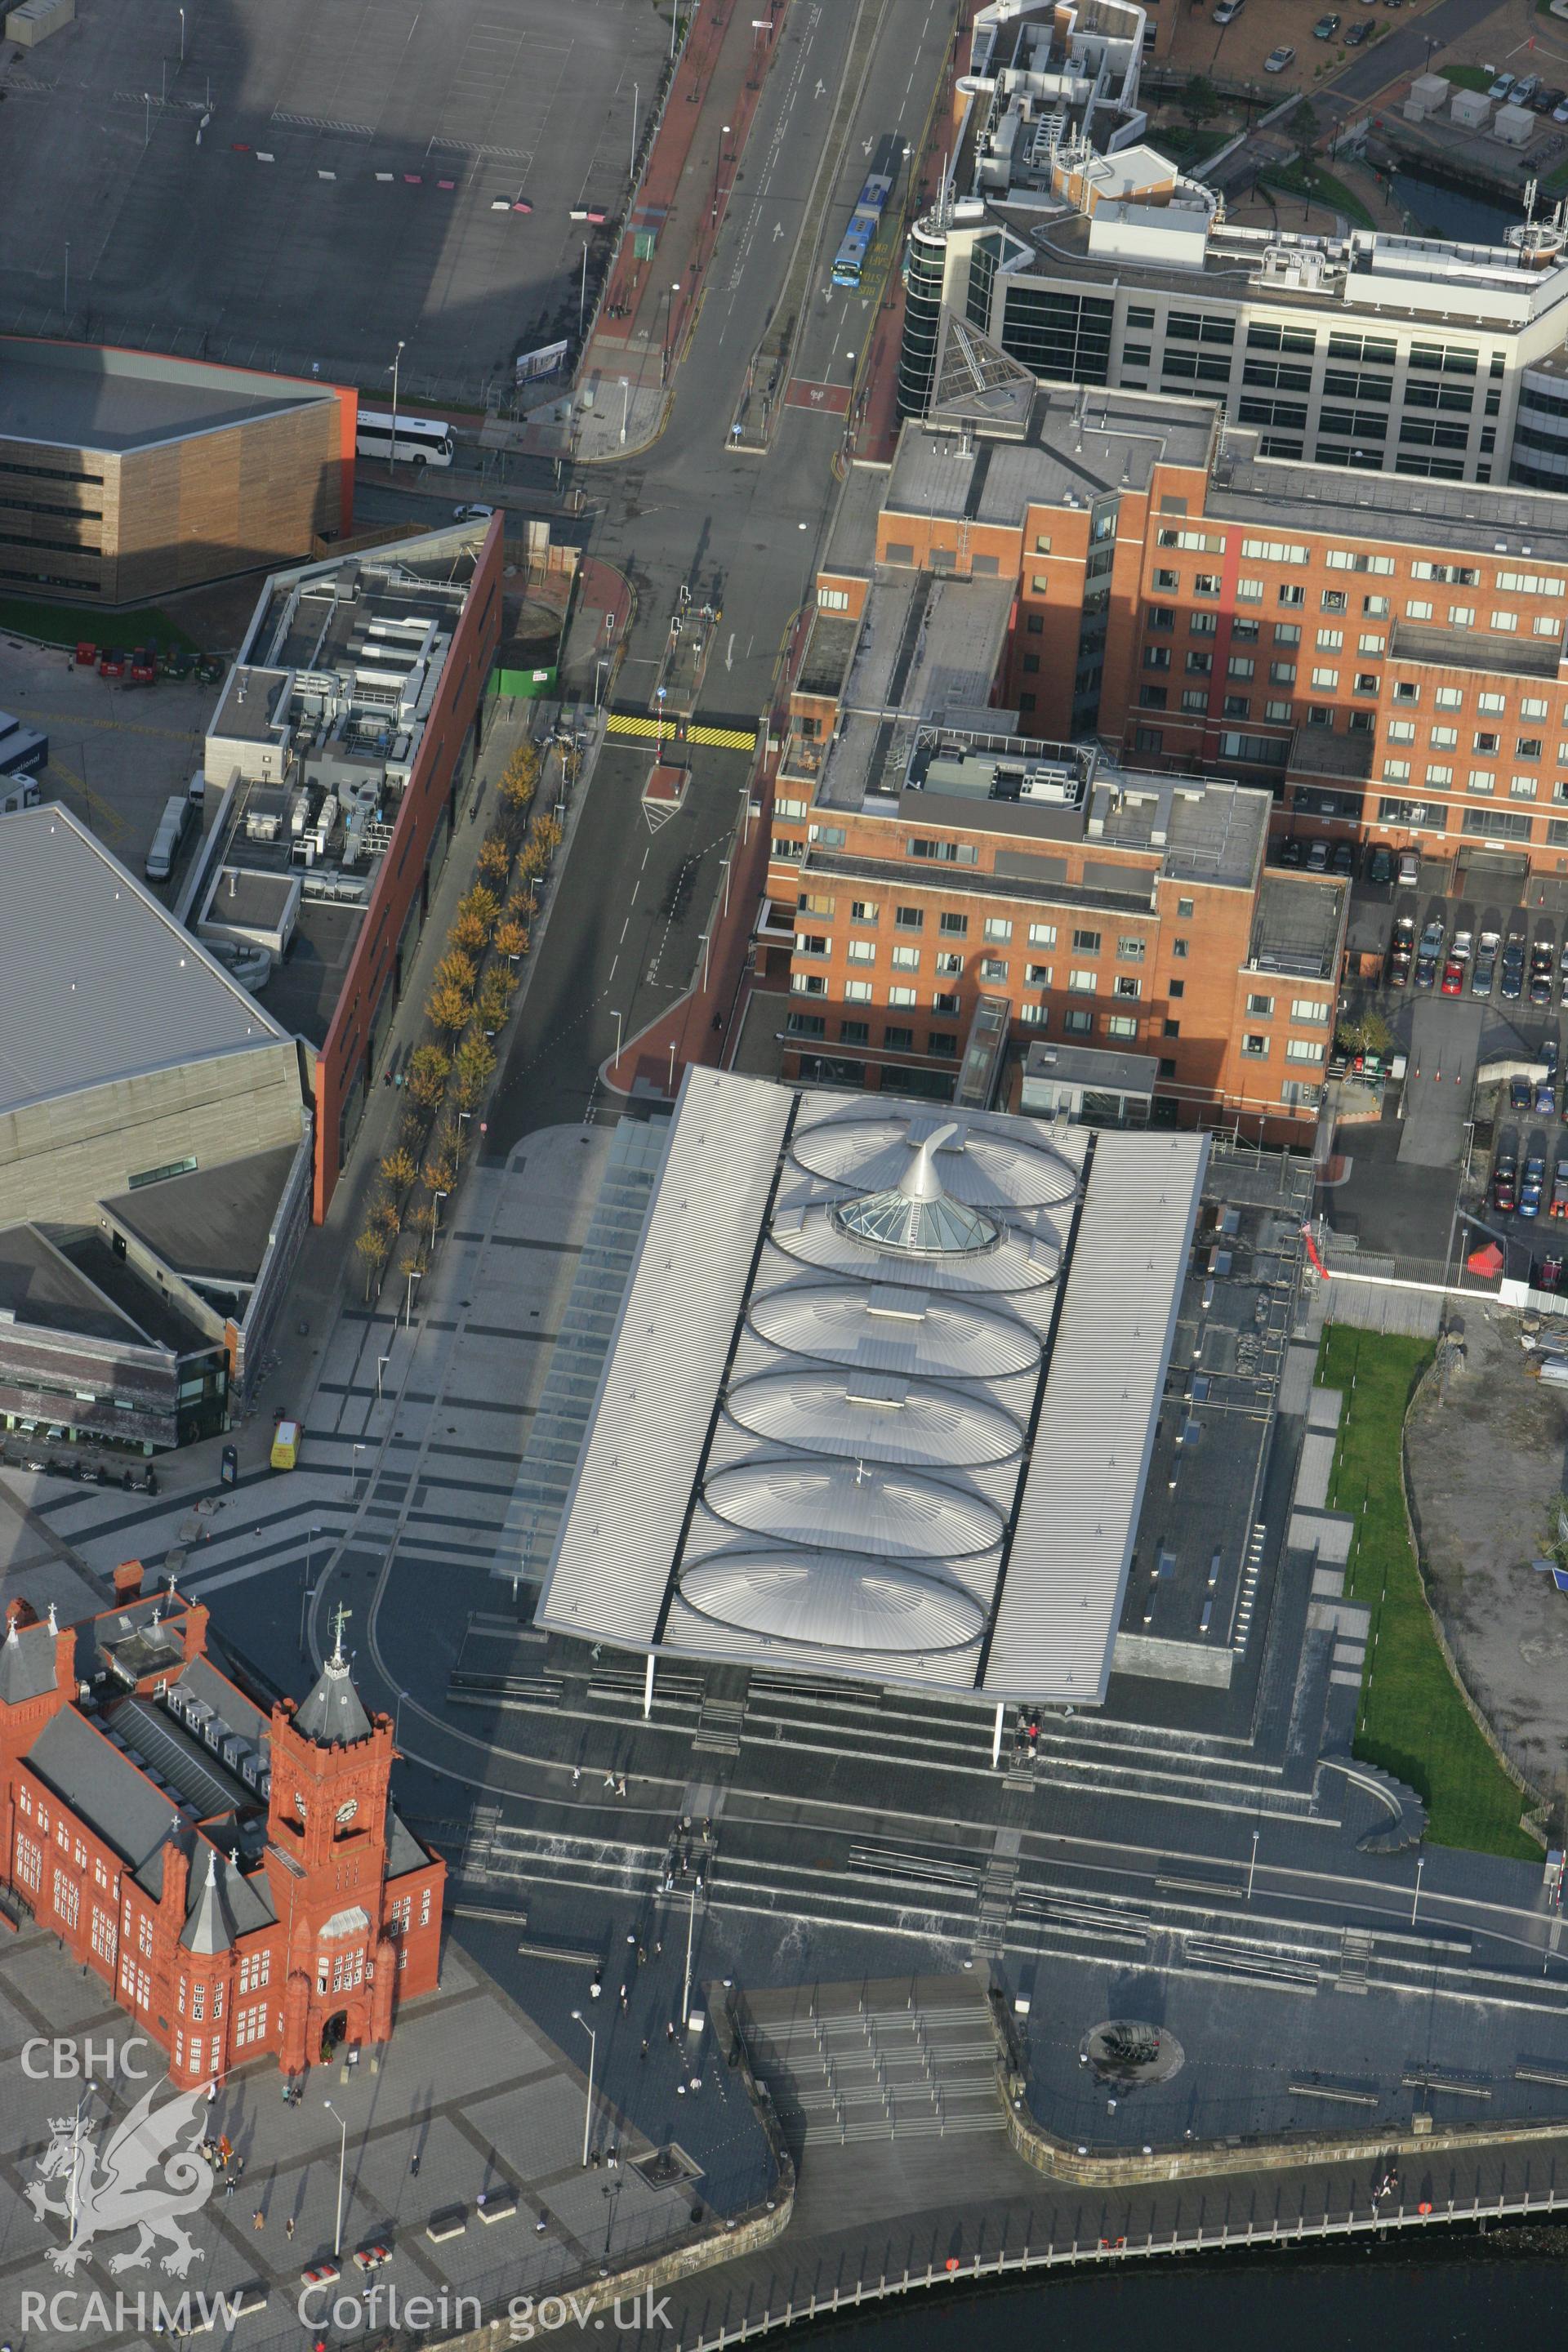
(463,2154)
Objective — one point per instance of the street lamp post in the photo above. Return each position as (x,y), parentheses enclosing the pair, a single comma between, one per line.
(686,1980)
(380,1364)
(1420,1866)
(626,398)
(588,2103)
(391,446)
(616,1063)
(1252,1866)
(718,161)
(414,1275)
(435,1201)
(342,2167)
(582,294)
(182,36)
(353,1469)
(707,946)
(637,103)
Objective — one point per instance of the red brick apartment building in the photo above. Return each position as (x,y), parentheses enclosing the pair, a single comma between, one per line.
(1139,621)
(235,1875)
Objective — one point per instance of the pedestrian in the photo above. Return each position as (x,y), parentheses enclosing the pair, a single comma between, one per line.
(576,1774)
(609,1779)
(623,2001)
(657,1947)
(642,2052)
(259,2220)
(642,1955)
(230,2185)
(288,2227)
(669,2032)
(621,1786)
(413,2167)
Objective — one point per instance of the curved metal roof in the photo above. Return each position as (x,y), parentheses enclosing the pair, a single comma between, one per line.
(838,1601)
(816,1236)
(888,1329)
(976,1165)
(875,1415)
(854,1505)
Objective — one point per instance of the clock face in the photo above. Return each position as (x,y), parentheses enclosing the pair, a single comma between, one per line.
(299,1804)
(346,1813)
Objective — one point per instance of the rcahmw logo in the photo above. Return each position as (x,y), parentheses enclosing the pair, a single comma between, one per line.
(140,2180)
(70,2312)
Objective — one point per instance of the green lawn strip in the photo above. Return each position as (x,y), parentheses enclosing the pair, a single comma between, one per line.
(1413,1721)
(68,624)
(1321,187)
(1468,77)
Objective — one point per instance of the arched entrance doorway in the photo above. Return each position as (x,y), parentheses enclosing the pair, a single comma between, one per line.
(335,2032)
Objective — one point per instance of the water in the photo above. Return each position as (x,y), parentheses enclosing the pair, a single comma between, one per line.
(1367,2301)
(1443,211)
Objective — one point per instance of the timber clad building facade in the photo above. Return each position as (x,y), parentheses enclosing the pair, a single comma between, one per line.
(126,476)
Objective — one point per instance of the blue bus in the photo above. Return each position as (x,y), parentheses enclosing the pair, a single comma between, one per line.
(866,219)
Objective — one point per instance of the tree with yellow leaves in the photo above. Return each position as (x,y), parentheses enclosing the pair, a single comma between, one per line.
(511,940)
(449,1009)
(428,1069)
(493,1002)
(495,862)
(456,971)
(473,1067)
(399,1169)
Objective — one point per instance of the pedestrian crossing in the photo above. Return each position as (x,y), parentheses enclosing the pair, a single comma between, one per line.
(632,723)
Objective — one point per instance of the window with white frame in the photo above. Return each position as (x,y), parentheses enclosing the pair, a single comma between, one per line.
(1043,934)
(1305,1049)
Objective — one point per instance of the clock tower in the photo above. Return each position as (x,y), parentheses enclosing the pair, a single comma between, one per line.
(326,1864)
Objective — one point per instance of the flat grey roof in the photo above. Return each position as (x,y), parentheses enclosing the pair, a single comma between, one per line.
(81,396)
(1297,929)
(808,1444)
(213,1225)
(41,1290)
(99,981)
(1094,1066)
(1072,1547)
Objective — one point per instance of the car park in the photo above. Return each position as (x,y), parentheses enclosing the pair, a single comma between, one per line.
(1409,869)
(1278,60)
(1505,1181)
(1548,100)
(1544,1104)
(1513,971)
(1464,944)
(1501,87)
(1524,89)
(1560,113)
(1425,969)
(1318,857)
(1539,988)
(1401,950)
(1380,864)
(1290,851)
(1343,858)
(1520,1092)
(1531,1184)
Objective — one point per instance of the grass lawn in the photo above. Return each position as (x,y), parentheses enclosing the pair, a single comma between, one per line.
(63,625)
(1468,77)
(1413,1721)
(1301,179)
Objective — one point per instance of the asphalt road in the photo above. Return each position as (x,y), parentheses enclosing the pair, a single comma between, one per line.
(317,184)
(1402,50)
(627,934)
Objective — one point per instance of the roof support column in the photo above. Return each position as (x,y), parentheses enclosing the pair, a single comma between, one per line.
(995,1733)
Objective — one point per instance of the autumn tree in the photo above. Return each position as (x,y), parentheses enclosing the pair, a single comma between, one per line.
(495,862)
(510,939)
(494,999)
(428,1069)
(399,1169)
(449,1009)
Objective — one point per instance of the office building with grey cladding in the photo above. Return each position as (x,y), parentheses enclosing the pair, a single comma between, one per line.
(1065,237)
(972,1403)
(155,1154)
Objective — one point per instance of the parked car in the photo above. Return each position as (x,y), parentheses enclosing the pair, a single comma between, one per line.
(1409,869)
(1505,1182)
(1425,969)
(1545,1098)
(1453,977)
(1501,87)
(1380,864)
(1512,975)
(1483,971)
(1227,11)
(1463,943)
(1531,1184)
(1432,936)
(1318,857)
(1519,1092)
(1560,111)
(1541,988)
(1549,1274)
(1278,60)
(1343,859)
(1558,1204)
(1325,29)
(1524,89)
(1360,33)
(1290,851)
(1547,101)
(482,514)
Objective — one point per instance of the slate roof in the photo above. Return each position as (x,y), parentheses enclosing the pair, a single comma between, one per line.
(26,1662)
(87,1771)
(333,1714)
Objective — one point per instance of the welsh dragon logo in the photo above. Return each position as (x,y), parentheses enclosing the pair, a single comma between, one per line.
(142,2180)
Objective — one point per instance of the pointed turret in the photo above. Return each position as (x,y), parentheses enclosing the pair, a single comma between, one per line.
(333,1714)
